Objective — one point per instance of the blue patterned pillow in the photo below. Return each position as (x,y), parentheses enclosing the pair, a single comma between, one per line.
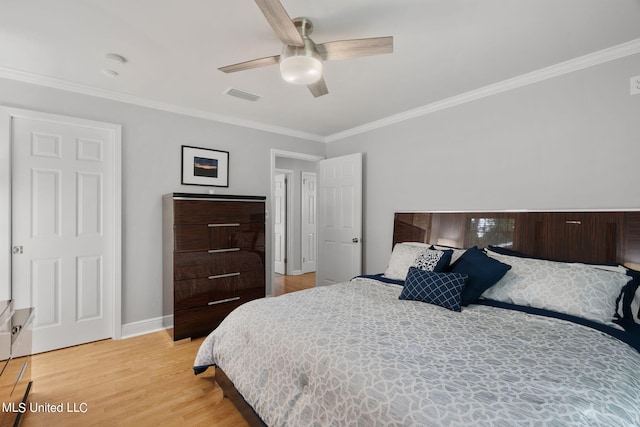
(433,260)
(443,289)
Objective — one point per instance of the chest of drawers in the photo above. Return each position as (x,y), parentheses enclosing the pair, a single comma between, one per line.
(214,253)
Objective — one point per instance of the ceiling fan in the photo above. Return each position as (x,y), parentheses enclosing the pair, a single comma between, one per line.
(301,59)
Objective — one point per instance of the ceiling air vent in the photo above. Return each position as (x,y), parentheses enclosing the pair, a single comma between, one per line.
(242,94)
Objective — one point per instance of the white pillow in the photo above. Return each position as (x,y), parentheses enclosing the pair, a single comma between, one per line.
(457,253)
(418,244)
(402,257)
(576,289)
(617,268)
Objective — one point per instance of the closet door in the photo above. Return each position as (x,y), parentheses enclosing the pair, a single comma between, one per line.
(64,227)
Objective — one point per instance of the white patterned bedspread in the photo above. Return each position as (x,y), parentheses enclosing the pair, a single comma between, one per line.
(353,354)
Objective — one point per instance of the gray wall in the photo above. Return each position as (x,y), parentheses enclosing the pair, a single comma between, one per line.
(297,166)
(151,141)
(571,142)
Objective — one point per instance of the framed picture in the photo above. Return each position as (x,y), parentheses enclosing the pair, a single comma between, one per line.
(203,166)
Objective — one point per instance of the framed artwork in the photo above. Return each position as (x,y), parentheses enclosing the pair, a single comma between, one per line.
(203,166)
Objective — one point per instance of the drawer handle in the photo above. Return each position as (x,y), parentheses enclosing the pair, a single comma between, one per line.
(217,251)
(222,301)
(225,225)
(220,276)
(21,373)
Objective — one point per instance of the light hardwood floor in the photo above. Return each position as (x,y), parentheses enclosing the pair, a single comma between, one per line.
(142,381)
(284,284)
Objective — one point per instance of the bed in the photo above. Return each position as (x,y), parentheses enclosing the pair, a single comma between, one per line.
(553,340)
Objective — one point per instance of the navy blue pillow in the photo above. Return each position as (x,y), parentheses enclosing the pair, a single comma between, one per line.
(443,289)
(624,312)
(482,270)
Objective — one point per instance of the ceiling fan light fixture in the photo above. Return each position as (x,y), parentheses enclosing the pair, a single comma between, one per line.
(301,65)
(301,70)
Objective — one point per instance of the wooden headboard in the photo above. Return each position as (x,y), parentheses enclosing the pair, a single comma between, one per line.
(595,237)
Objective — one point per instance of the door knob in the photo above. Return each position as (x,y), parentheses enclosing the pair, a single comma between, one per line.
(16,250)
(355,240)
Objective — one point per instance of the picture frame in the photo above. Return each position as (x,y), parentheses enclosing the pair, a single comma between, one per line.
(204,166)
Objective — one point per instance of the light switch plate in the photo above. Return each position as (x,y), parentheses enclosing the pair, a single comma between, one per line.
(635,85)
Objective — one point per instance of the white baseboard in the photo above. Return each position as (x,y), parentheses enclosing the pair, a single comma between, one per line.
(296,272)
(148,326)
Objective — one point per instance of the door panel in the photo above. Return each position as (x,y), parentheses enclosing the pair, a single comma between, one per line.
(309,222)
(45,210)
(89,204)
(280,224)
(89,289)
(45,290)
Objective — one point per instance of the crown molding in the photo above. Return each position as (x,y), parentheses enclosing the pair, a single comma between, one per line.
(599,57)
(41,80)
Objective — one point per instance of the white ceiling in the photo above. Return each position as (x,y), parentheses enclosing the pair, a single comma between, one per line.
(442,48)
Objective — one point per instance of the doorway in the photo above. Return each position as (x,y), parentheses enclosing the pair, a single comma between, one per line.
(293,213)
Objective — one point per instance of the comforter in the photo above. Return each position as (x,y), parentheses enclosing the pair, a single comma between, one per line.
(354,354)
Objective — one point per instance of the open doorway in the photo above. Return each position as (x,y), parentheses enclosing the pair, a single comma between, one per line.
(293,219)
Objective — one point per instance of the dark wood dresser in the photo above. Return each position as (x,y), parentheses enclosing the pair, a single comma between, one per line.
(213,258)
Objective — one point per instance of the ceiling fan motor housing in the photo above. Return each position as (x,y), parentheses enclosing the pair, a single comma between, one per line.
(301,65)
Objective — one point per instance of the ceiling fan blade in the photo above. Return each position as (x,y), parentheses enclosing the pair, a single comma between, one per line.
(254,63)
(280,21)
(344,49)
(318,88)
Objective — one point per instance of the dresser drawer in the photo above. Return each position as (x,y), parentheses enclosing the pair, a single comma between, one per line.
(216,211)
(217,235)
(199,321)
(214,289)
(192,265)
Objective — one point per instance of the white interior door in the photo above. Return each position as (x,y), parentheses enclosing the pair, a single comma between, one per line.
(280,223)
(339,219)
(63,228)
(309,223)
